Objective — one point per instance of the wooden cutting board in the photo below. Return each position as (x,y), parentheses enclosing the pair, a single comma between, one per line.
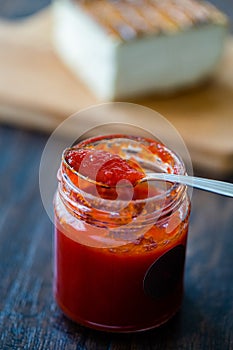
(38,92)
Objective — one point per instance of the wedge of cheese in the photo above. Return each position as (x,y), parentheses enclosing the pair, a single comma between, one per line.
(125,48)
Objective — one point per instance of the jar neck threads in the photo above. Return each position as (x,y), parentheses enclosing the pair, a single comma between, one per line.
(82,199)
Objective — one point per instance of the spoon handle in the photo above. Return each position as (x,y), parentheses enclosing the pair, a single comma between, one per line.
(216,186)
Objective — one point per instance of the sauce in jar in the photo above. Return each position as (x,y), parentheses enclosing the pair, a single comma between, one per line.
(119,252)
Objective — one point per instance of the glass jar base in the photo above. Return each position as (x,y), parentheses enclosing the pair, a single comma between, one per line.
(118,329)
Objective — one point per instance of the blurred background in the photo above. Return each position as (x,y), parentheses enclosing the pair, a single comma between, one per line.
(10,10)
(13,10)
(38,92)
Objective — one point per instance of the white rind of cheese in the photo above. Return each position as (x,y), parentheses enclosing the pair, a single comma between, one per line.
(155,63)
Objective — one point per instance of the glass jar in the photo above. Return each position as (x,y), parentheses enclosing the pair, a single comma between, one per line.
(119,263)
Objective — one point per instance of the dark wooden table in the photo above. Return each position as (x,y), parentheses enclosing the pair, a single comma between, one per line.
(29,317)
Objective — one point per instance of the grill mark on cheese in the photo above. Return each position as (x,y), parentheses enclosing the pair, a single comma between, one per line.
(157,21)
(200,12)
(129,19)
(133,17)
(109,18)
(173,13)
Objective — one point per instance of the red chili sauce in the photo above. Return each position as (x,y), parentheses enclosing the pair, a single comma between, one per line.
(136,285)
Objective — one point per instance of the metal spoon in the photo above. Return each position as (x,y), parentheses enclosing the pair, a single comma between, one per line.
(216,186)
